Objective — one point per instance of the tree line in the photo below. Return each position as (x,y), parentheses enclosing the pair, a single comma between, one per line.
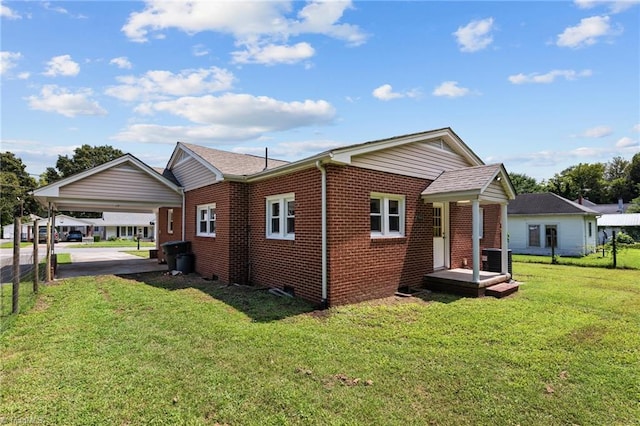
(601,183)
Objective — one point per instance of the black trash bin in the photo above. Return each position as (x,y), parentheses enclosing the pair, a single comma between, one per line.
(184,262)
(173,248)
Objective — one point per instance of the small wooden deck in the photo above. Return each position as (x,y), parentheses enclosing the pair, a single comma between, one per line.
(460,281)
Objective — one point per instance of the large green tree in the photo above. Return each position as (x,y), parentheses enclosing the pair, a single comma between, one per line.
(633,175)
(584,179)
(84,158)
(525,184)
(15,186)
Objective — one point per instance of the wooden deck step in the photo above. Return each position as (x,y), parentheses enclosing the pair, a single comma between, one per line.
(502,290)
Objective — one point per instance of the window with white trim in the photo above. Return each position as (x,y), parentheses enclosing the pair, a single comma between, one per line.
(206,220)
(281,216)
(170,221)
(386,214)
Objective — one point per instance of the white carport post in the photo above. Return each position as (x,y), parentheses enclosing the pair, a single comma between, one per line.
(504,244)
(475,239)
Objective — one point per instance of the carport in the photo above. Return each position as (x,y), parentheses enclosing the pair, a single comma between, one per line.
(125,184)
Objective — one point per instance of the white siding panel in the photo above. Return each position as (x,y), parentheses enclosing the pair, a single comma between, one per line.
(573,239)
(420,159)
(494,193)
(121,183)
(192,174)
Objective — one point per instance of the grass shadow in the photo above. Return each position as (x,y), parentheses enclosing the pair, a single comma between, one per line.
(255,302)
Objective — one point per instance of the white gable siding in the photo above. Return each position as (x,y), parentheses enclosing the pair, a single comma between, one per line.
(494,193)
(192,174)
(573,237)
(112,183)
(419,159)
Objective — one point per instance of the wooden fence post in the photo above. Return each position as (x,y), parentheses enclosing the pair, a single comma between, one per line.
(36,261)
(15,299)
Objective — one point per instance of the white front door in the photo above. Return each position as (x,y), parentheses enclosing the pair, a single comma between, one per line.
(440,230)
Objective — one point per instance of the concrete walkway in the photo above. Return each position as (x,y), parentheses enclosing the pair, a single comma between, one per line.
(85,261)
(98,262)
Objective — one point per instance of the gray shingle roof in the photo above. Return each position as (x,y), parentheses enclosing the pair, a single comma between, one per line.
(459,180)
(231,163)
(546,203)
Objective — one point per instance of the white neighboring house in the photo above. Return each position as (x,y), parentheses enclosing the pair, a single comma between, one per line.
(607,223)
(535,220)
(125,225)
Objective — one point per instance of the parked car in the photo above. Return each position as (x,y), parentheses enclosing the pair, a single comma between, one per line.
(42,235)
(74,236)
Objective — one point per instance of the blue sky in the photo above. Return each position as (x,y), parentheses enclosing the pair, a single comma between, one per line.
(538,86)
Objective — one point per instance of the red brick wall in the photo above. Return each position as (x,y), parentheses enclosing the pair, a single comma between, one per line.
(163,235)
(361,267)
(213,255)
(297,263)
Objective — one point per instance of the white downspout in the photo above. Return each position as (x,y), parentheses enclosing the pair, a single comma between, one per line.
(324,232)
(184,215)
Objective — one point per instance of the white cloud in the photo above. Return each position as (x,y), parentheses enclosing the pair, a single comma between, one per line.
(587,32)
(626,142)
(549,77)
(597,132)
(475,35)
(62,65)
(263,27)
(8,13)
(636,128)
(271,54)
(121,62)
(614,6)
(159,84)
(386,93)
(228,117)
(199,50)
(59,9)
(243,110)
(451,90)
(8,61)
(62,101)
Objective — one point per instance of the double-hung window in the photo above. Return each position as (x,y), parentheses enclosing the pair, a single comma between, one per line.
(281,216)
(206,220)
(387,215)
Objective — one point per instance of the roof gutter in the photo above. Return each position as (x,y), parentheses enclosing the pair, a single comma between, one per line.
(323,172)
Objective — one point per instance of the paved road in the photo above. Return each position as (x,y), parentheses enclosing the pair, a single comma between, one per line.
(84,262)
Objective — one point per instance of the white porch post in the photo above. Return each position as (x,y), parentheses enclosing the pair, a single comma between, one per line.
(475,237)
(504,239)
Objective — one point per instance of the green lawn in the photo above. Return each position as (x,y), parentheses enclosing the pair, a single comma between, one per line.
(9,244)
(628,258)
(157,349)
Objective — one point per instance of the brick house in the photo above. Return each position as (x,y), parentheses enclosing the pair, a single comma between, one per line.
(346,225)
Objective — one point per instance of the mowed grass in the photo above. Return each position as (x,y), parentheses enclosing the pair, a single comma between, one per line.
(153,349)
(626,258)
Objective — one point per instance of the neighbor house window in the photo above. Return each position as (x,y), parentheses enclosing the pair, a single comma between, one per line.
(534,235)
(590,229)
(126,231)
(170,221)
(206,220)
(386,213)
(281,216)
(551,236)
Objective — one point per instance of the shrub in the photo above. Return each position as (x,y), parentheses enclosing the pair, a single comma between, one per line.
(96,238)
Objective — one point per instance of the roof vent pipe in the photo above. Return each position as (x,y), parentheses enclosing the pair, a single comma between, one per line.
(266,158)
